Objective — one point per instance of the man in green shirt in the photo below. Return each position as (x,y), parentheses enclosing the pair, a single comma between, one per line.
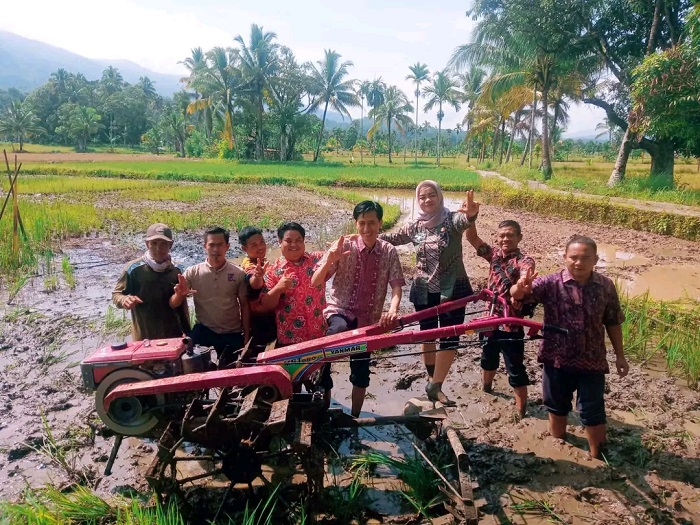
(145,287)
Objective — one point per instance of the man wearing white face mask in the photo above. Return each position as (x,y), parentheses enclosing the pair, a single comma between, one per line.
(145,287)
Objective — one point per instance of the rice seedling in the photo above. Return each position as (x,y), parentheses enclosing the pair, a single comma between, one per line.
(51,506)
(137,514)
(68,272)
(346,504)
(325,174)
(56,184)
(421,484)
(537,507)
(63,455)
(81,506)
(116,322)
(666,328)
(50,283)
(53,354)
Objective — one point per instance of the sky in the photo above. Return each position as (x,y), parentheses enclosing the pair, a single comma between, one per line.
(381,37)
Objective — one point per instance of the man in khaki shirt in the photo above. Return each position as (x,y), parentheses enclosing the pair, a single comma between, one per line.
(220,296)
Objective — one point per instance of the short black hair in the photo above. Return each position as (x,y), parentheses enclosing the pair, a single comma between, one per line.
(246,233)
(581,239)
(510,224)
(290,225)
(366,207)
(217,230)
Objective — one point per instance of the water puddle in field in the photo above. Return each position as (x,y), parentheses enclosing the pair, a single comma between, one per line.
(637,275)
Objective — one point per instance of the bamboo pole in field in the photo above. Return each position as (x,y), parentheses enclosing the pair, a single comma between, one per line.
(17,225)
(15,220)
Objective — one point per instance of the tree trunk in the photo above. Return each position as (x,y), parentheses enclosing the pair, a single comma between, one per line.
(468,140)
(662,161)
(415,131)
(510,143)
(618,173)
(531,135)
(259,139)
(362,137)
(438,137)
(320,133)
(546,158)
(495,141)
(623,154)
(283,144)
(388,125)
(525,150)
(503,139)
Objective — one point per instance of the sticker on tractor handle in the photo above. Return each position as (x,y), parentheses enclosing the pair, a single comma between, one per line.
(346,350)
(306,358)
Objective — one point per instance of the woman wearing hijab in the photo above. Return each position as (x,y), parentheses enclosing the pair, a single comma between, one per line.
(440,274)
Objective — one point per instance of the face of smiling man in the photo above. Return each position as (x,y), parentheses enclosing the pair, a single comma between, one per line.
(292,245)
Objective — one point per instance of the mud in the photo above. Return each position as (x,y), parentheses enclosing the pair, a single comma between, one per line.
(652,471)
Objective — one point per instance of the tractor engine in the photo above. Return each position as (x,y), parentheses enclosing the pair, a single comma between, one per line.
(137,361)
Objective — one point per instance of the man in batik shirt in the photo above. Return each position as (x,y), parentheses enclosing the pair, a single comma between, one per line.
(506,264)
(587,305)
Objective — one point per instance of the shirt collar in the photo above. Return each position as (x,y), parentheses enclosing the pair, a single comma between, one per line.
(285,262)
(217,270)
(566,277)
(362,246)
(504,255)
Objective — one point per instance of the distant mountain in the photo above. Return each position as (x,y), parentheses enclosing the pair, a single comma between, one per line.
(27,64)
(583,135)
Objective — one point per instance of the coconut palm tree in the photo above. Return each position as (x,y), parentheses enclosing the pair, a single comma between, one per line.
(392,111)
(18,122)
(361,92)
(419,74)
(471,89)
(330,89)
(259,63)
(375,92)
(112,80)
(442,90)
(219,83)
(195,64)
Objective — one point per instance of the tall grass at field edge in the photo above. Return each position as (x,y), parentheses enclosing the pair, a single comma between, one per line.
(591,210)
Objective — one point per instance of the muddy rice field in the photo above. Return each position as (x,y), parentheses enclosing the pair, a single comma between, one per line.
(652,469)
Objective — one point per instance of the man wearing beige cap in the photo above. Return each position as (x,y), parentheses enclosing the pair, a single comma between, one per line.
(145,287)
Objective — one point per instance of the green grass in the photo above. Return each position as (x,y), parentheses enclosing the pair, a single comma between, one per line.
(602,211)
(592,178)
(55,184)
(324,174)
(12,148)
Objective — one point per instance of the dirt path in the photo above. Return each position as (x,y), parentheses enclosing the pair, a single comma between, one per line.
(653,469)
(662,207)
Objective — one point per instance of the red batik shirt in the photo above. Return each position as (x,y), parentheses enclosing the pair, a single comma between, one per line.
(299,314)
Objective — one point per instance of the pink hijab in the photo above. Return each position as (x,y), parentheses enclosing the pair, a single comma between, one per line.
(430,220)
